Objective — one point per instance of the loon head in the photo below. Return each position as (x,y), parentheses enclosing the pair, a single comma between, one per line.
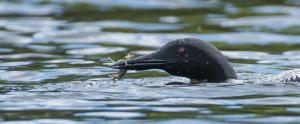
(188,57)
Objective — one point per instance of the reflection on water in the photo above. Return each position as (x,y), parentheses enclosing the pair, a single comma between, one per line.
(52,54)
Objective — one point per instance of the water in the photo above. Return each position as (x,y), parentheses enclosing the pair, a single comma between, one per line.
(52,54)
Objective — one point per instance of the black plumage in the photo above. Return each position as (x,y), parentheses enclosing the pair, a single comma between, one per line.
(188,57)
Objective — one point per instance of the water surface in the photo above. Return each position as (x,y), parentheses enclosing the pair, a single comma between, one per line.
(52,56)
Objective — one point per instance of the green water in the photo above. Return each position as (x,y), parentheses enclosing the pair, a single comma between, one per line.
(52,56)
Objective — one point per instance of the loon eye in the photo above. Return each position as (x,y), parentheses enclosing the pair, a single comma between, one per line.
(181,51)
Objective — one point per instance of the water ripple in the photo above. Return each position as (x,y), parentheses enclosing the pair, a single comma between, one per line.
(7,8)
(96,50)
(156,40)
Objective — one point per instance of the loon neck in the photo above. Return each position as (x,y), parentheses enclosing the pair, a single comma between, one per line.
(218,72)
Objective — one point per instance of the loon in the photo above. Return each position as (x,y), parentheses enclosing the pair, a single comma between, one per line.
(187,57)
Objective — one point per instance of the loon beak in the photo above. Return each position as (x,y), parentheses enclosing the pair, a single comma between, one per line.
(141,63)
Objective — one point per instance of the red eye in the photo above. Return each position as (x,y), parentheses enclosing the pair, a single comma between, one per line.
(181,51)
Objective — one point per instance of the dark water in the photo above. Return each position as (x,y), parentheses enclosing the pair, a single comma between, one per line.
(52,54)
